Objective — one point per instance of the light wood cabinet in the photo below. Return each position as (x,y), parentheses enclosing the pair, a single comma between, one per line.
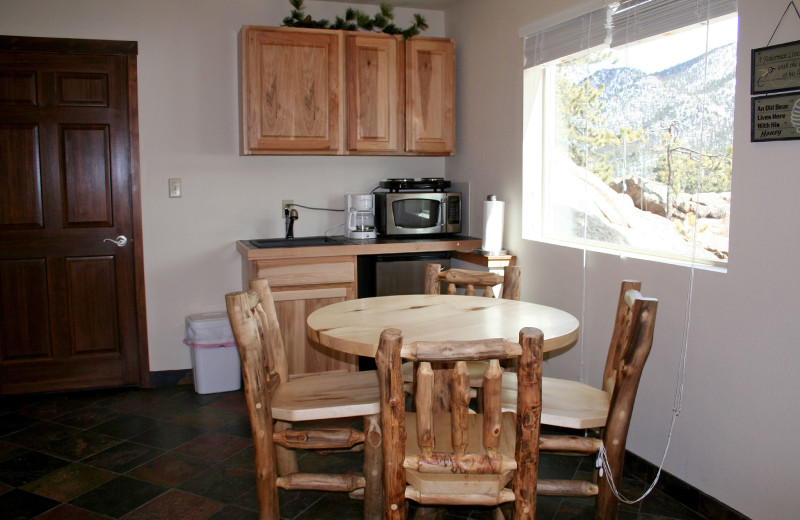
(299,287)
(304,279)
(311,91)
(430,96)
(291,83)
(375,93)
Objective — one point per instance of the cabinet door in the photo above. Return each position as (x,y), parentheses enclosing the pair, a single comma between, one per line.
(305,357)
(291,82)
(374,93)
(299,287)
(430,96)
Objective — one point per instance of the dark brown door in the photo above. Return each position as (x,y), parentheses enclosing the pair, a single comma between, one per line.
(71,290)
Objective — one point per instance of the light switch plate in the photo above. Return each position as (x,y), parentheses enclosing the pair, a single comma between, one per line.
(175,188)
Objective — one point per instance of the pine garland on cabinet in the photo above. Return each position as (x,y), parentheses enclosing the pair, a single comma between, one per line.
(355,19)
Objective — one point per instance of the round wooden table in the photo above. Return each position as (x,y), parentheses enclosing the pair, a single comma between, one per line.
(355,326)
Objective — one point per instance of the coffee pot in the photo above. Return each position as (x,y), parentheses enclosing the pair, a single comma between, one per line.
(360,224)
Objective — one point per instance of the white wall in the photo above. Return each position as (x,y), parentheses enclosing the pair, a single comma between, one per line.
(188,101)
(734,438)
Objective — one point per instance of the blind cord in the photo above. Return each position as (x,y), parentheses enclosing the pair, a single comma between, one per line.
(602,457)
(582,371)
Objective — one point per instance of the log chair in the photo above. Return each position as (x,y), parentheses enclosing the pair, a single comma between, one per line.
(468,280)
(574,405)
(275,404)
(460,458)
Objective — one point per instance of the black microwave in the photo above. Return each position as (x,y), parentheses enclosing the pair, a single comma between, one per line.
(417,213)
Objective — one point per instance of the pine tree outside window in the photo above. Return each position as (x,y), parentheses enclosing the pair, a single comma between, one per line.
(628,130)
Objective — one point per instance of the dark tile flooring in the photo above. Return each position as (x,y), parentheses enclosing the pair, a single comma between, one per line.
(170,453)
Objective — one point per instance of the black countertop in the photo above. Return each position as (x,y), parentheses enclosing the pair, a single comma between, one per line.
(339,245)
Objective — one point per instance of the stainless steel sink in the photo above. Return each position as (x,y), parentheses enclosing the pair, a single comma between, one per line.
(270,243)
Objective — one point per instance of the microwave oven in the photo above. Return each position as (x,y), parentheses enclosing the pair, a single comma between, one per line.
(417,213)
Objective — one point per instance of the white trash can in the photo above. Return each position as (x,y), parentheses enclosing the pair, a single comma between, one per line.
(215,360)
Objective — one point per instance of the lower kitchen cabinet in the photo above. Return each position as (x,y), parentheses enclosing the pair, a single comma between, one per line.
(299,287)
(303,279)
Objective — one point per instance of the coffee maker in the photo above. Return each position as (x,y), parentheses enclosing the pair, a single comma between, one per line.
(360,224)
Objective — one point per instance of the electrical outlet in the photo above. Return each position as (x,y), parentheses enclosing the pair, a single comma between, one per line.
(285,207)
(175,188)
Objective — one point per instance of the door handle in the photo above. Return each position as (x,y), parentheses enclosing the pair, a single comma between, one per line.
(120,241)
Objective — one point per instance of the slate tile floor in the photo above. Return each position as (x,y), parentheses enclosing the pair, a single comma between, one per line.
(170,453)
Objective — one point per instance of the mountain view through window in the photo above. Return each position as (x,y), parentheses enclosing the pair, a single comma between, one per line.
(637,148)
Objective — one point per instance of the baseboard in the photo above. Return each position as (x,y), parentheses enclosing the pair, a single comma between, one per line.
(679,490)
(171,378)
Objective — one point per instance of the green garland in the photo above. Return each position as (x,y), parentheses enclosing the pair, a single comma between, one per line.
(355,20)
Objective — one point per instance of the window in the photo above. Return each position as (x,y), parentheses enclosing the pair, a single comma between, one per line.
(629,130)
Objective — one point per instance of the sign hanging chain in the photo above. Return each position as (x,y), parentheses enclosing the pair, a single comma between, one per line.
(791,4)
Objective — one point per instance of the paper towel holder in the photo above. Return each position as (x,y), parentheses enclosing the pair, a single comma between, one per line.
(496,252)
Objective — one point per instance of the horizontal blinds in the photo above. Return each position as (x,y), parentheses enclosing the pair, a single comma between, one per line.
(635,20)
(618,24)
(567,38)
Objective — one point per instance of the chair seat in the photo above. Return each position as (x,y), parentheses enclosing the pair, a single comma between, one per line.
(456,483)
(327,396)
(476,371)
(565,403)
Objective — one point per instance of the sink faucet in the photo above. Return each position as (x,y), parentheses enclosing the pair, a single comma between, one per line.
(291,216)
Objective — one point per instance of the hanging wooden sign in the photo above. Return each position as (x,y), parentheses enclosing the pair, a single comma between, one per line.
(775,118)
(775,68)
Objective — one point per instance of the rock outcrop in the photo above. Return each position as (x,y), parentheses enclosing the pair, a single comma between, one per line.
(632,213)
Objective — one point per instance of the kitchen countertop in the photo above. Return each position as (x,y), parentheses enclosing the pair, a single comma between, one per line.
(305,247)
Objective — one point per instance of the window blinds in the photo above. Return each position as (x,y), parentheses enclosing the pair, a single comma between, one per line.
(619,24)
(567,38)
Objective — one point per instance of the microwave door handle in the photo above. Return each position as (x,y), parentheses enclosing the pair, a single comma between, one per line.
(442,216)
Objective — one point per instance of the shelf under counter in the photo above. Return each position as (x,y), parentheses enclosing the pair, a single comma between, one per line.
(486,260)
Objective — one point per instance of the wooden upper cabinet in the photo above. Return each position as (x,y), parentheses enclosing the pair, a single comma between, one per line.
(291,82)
(430,96)
(327,92)
(375,94)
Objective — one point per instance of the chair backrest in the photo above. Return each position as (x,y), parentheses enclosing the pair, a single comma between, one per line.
(273,340)
(621,333)
(253,332)
(471,279)
(635,350)
(443,447)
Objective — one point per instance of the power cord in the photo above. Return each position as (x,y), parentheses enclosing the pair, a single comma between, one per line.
(311,207)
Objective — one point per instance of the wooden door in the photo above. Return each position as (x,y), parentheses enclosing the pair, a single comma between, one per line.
(430,96)
(291,82)
(71,300)
(375,93)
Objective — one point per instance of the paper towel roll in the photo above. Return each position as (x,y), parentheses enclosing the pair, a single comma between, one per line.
(493,224)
